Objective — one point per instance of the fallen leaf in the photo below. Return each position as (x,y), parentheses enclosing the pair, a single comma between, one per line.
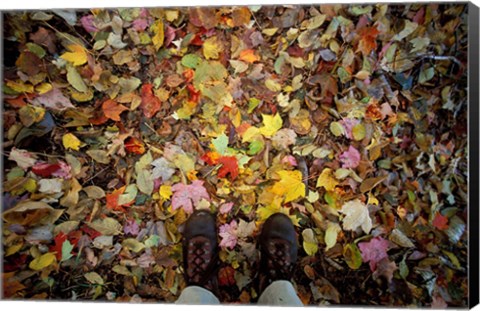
(188,196)
(290,185)
(356,215)
(42,261)
(71,141)
(112,109)
(77,55)
(374,251)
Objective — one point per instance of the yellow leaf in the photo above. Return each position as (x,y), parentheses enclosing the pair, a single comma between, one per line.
(269,31)
(165,191)
(327,180)
(43,88)
(250,134)
(271,124)
(359,132)
(71,141)
(290,185)
(273,85)
(310,243)
(331,234)
(20,87)
(42,262)
(77,55)
(211,48)
(159,34)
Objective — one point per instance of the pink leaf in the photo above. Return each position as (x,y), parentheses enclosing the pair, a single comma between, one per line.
(228,233)
(374,251)
(226,208)
(350,158)
(131,227)
(188,196)
(87,23)
(140,24)
(348,125)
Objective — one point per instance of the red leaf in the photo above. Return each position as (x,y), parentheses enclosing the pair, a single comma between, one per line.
(92,233)
(45,169)
(134,145)
(112,199)
(194,94)
(150,103)
(211,157)
(59,239)
(226,276)
(229,165)
(440,222)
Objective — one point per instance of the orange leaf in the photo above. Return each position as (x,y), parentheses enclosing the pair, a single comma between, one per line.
(112,110)
(134,145)
(112,199)
(211,157)
(440,222)
(229,165)
(150,103)
(249,56)
(368,39)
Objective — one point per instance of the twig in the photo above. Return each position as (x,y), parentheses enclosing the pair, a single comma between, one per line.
(437,57)
(94,176)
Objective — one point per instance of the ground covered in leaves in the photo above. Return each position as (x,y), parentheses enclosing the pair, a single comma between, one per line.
(118,123)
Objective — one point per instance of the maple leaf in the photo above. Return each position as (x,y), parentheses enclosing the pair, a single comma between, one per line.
(350,158)
(134,145)
(290,185)
(374,251)
(249,56)
(228,233)
(271,124)
(440,222)
(77,55)
(229,166)
(112,199)
(356,216)
(57,248)
(211,157)
(188,196)
(150,103)
(327,180)
(225,208)
(112,109)
(368,36)
(131,227)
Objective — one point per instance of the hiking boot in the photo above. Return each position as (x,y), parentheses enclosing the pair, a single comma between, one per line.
(278,250)
(200,250)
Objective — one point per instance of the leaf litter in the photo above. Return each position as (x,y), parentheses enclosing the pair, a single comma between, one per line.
(350,119)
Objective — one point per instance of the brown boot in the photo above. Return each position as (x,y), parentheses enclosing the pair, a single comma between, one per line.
(278,250)
(200,250)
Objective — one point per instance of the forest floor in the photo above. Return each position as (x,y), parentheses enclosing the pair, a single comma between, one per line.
(350,119)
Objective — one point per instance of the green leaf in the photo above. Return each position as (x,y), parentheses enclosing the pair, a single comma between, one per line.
(94,278)
(36,49)
(66,250)
(426,75)
(221,143)
(352,256)
(331,235)
(76,80)
(255,147)
(191,60)
(337,129)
